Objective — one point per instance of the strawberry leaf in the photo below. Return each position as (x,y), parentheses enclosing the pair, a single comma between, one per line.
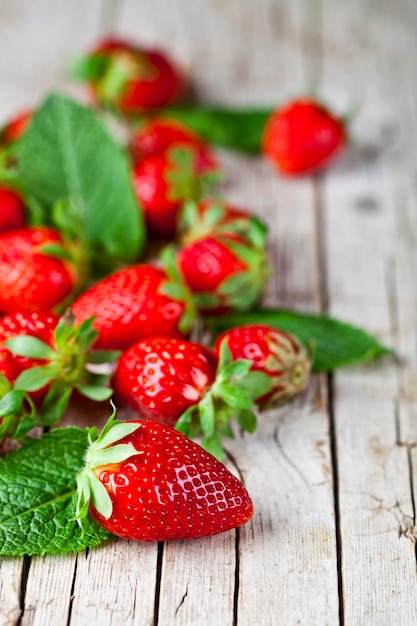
(237,129)
(72,151)
(31,347)
(336,343)
(99,394)
(36,377)
(37,508)
(11,402)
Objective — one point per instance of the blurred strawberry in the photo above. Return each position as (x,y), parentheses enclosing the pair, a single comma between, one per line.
(155,136)
(12,210)
(130,78)
(303,136)
(223,272)
(30,277)
(164,182)
(198,220)
(15,128)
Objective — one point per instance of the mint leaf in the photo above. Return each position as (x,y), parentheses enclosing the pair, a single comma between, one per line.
(37,508)
(76,159)
(237,129)
(335,343)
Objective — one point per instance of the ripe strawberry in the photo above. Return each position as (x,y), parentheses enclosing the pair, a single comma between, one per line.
(223,272)
(12,210)
(48,357)
(129,78)
(198,220)
(162,377)
(180,383)
(134,303)
(15,128)
(147,482)
(29,277)
(276,353)
(157,135)
(303,136)
(163,182)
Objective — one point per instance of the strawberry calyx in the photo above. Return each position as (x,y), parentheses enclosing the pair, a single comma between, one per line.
(176,289)
(231,397)
(103,450)
(68,366)
(216,218)
(243,289)
(184,180)
(17,412)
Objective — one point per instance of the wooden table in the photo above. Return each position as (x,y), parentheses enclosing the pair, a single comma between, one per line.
(333,475)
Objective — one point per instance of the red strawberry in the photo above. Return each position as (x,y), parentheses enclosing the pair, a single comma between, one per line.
(180,383)
(15,128)
(134,303)
(29,277)
(156,136)
(39,324)
(163,182)
(198,220)
(129,78)
(303,136)
(162,377)
(48,357)
(145,481)
(223,272)
(12,210)
(276,353)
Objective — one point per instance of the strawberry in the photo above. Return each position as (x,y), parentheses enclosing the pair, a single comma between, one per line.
(302,136)
(147,482)
(223,272)
(129,78)
(133,303)
(15,128)
(212,217)
(276,353)
(162,377)
(163,182)
(12,210)
(180,383)
(155,136)
(30,278)
(48,357)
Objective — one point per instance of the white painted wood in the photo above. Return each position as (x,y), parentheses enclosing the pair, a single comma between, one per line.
(10,577)
(282,566)
(115,585)
(361,213)
(48,591)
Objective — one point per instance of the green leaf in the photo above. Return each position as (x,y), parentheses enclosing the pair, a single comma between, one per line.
(36,377)
(32,347)
(237,129)
(77,159)
(232,395)
(11,403)
(336,343)
(95,393)
(246,420)
(207,415)
(55,403)
(102,356)
(37,508)
(256,384)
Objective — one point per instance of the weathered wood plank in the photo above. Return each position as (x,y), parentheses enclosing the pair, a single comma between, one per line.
(11,571)
(294,520)
(360,212)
